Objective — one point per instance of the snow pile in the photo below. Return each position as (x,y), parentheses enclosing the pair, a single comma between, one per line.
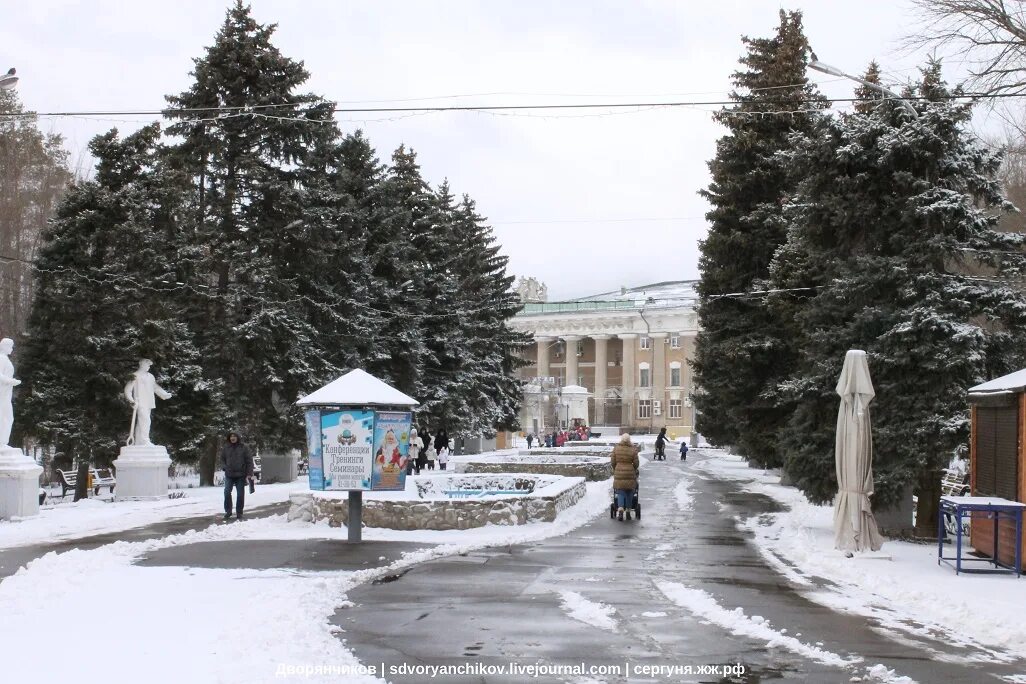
(881,673)
(901,587)
(703,605)
(682,493)
(589,612)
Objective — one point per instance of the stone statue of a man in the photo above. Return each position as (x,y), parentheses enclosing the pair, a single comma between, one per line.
(7,385)
(141,392)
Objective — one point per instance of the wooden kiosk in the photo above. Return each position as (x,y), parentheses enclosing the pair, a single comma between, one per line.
(997,455)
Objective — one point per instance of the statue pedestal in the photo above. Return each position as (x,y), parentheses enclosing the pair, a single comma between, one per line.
(141,472)
(19,484)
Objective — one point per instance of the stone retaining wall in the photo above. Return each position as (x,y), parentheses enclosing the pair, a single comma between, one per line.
(591,468)
(589,450)
(555,494)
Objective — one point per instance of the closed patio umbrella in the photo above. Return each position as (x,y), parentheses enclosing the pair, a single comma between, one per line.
(854,525)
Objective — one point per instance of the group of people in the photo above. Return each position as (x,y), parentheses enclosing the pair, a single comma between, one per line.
(625,464)
(558,438)
(660,447)
(425,452)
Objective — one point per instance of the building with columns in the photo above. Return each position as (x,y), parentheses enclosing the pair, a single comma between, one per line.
(631,351)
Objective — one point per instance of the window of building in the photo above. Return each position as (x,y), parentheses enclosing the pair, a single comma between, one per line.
(644,375)
(675,341)
(675,374)
(676,409)
(646,342)
(644,408)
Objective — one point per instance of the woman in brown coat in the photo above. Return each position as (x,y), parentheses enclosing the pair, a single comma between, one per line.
(625,475)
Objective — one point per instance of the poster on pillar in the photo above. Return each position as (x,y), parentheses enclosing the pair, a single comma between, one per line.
(315,457)
(391,447)
(347,449)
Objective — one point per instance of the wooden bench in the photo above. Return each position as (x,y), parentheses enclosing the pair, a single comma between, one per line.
(101,477)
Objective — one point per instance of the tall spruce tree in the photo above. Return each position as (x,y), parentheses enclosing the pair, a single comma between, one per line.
(333,273)
(488,302)
(743,349)
(890,216)
(109,281)
(245,164)
(404,209)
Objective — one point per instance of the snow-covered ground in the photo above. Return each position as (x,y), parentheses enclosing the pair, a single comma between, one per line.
(98,515)
(282,615)
(901,586)
(102,515)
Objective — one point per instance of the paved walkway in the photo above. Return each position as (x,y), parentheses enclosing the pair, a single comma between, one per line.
(502,605)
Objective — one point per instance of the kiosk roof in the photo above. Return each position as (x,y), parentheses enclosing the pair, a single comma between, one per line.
(357,388)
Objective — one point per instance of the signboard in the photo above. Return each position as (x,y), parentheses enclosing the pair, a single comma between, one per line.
(391,447)
(346,445)
(313,448)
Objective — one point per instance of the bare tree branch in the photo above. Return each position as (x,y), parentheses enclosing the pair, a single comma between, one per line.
(989,36)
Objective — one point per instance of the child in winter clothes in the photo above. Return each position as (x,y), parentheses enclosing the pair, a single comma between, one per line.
(443,458)
(683,451)
(431,454)
(416,444)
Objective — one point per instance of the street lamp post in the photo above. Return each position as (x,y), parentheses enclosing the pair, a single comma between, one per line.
(9,80)
(834,71)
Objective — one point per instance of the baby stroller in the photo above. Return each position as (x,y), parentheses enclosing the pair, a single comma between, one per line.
(636,505)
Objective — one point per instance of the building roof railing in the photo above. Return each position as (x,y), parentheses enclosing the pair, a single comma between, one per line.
(605,305)
(562,307)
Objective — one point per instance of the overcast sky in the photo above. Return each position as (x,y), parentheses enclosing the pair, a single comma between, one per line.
(585,203)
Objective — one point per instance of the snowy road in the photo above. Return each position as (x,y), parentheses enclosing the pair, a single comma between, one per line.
(682,588)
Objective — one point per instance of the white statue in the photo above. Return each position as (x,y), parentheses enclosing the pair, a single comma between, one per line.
(141,392)
(7,385)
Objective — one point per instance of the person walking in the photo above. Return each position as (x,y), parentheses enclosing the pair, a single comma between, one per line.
(530,440)
(441,440)
(660,446)
(416,446)
(624,460)
(237,462)
(683,450)
(431,455)
(443,458)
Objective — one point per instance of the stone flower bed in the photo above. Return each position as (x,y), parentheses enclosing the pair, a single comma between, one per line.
(428,506)
(591,466)
(593,449)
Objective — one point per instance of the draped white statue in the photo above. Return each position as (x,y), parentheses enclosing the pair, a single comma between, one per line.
(7,385)
(142,392)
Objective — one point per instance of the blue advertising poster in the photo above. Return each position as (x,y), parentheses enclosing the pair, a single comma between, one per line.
(346,444)
(313,448)
(391,447)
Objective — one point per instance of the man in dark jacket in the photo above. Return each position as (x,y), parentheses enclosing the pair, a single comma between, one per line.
(237,462)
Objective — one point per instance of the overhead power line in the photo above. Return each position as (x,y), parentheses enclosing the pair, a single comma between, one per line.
(252,109)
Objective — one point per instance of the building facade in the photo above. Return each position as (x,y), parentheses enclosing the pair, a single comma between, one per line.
(630,350)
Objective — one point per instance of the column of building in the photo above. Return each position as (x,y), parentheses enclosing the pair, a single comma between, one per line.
(601,368)
(543,355)
(572,372)
(630,373)
(659,377)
